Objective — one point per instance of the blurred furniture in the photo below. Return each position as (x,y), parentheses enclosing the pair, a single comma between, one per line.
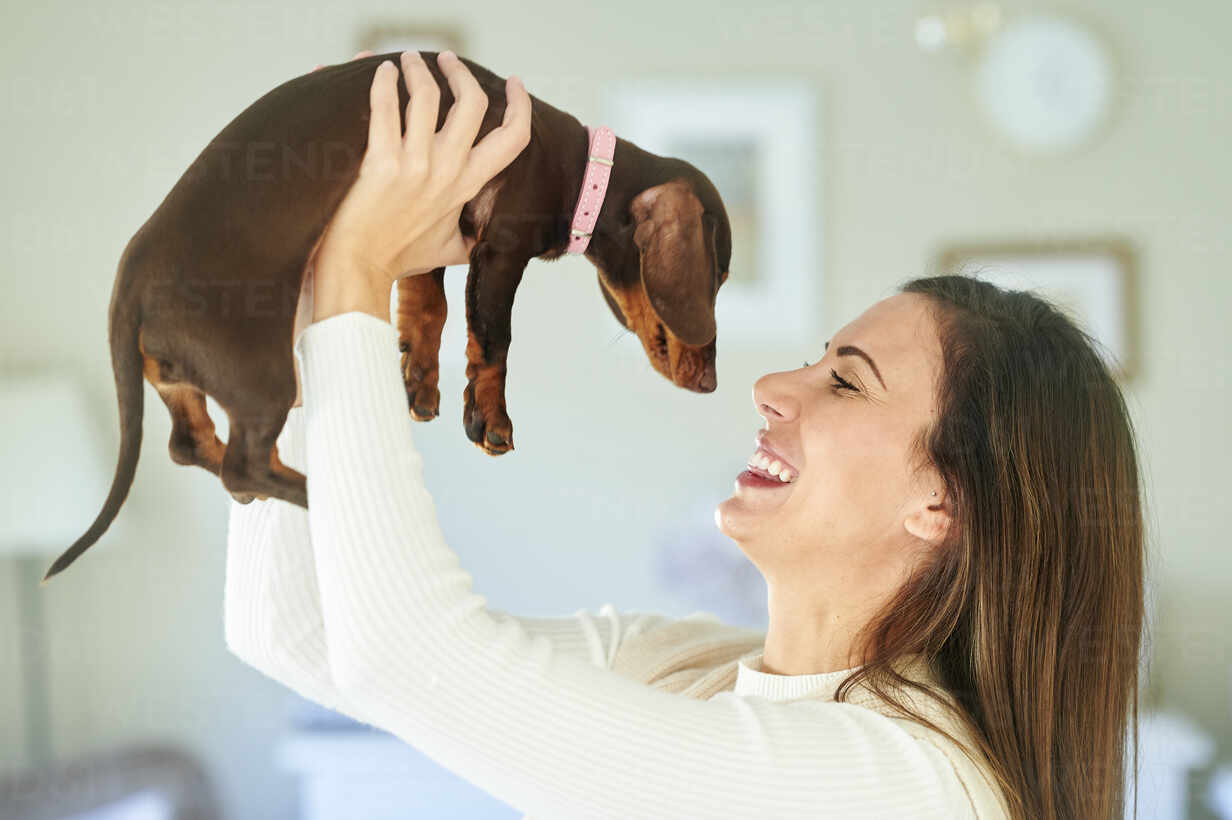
(351,769)
(1219,790)
(53,485)
(362,772)
(1219,793)
(145,782)
(1170,746)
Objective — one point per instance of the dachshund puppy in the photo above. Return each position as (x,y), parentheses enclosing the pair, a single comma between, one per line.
(206,291)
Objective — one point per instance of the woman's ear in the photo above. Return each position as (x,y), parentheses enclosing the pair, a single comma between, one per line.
(931,518)
(679,265)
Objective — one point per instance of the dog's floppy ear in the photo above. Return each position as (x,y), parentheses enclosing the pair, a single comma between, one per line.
(679,266)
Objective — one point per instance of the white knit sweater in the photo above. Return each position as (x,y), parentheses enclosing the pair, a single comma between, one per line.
(373,616)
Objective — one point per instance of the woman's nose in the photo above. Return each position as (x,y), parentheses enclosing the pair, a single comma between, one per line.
(774,399)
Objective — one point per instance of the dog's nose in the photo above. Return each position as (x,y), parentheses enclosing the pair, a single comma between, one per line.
(709,380)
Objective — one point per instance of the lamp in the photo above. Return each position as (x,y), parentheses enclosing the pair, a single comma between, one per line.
(53,485)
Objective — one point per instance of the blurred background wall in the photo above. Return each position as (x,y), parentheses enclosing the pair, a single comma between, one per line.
(105,105)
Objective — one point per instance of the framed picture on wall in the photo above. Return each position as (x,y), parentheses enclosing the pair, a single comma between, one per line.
(382,38)
(1093,280)
(757,141)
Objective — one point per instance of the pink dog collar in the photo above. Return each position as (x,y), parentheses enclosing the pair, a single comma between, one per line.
(594,187)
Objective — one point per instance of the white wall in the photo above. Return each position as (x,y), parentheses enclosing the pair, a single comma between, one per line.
(106,104)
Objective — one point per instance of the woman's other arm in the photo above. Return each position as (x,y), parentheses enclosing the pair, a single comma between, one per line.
(272,603)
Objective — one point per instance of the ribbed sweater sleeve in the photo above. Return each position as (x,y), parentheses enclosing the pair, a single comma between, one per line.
(272,604)
(414,649)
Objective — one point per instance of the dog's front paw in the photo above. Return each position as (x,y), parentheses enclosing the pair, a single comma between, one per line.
(486,422)
(422,394)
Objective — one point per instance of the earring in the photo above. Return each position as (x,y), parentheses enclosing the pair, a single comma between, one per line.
(934,492)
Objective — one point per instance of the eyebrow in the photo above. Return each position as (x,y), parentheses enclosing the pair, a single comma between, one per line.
(852,350)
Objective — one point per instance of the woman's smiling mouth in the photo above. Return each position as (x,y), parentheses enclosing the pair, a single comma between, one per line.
(765,464)
(768,462)
(766,468)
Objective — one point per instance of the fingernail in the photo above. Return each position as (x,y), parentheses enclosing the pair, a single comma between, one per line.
(448,55)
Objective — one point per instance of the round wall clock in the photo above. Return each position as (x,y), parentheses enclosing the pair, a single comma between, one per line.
(1045,83)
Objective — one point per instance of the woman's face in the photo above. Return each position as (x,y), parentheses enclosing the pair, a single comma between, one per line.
(851,512)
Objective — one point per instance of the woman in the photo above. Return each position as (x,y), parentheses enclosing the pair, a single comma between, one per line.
(952,546)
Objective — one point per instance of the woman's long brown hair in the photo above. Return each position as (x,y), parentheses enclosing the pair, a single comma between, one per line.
(1032,610)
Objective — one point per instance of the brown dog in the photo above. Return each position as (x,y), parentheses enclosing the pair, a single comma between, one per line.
(206,291)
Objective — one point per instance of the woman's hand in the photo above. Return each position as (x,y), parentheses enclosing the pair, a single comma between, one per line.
(400,216)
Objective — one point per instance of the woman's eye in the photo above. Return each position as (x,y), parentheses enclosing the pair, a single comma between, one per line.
(843,384)
(839,382)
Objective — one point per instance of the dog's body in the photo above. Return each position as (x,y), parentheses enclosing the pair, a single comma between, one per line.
(206,291)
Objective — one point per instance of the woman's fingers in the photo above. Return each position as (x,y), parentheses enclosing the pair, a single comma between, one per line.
(421,110)
(462,123)
(503,143)
(384,124)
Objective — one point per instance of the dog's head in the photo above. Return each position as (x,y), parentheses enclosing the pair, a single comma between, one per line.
(677,246)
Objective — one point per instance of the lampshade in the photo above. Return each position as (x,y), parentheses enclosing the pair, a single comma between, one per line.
(55,475)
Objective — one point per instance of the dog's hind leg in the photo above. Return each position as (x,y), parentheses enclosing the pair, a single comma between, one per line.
(193,440)
(257,396)
(251,467)
(421,317)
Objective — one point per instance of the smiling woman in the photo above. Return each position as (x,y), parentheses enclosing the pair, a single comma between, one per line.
(949,530)
(994,484)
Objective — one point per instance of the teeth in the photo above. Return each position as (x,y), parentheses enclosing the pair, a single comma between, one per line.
(773,467)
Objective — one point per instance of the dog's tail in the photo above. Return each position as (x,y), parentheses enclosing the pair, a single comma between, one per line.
(124,328)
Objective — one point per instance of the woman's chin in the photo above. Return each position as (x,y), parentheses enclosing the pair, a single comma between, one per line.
(749,508)
(733,517)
